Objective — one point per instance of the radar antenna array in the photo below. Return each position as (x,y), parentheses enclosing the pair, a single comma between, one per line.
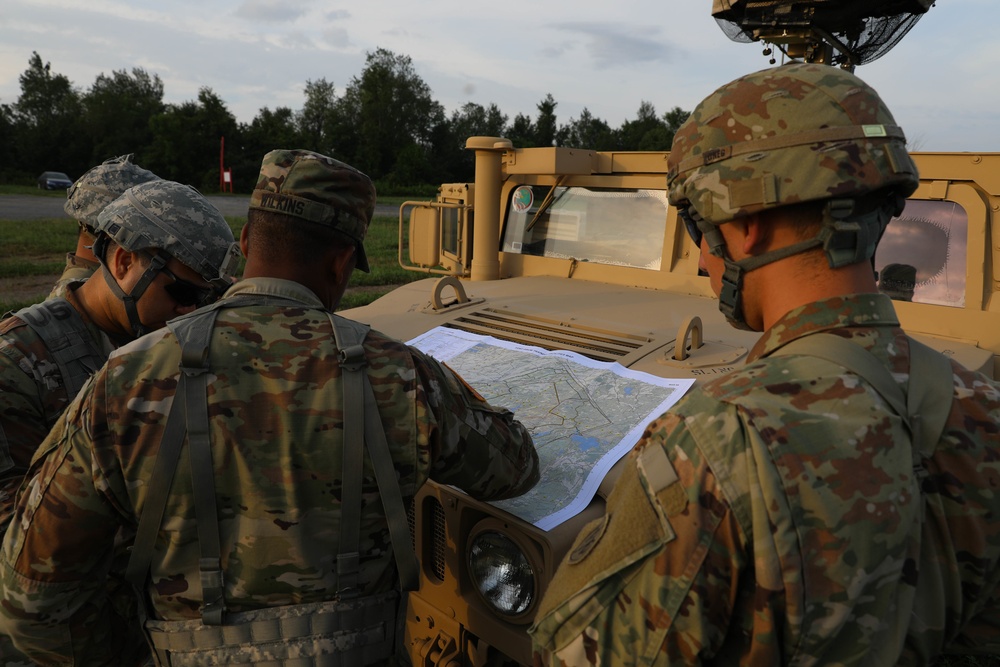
(846,33)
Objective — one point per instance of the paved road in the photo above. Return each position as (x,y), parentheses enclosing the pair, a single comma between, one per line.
(27,207)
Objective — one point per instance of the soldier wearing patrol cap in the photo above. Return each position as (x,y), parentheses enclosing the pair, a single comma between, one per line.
(164,250)
(280,536)
(85,200)
(834,501)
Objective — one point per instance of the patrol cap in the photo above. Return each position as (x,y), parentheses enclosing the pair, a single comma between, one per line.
(794,133)
(318,189)
(101,185)
(178,220)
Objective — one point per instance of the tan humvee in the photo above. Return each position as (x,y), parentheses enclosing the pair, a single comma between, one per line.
(578,250)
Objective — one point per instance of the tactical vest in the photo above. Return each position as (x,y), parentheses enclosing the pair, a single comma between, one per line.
(351,630)
(68,340)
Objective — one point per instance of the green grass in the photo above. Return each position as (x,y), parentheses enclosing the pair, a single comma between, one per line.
(30,190)
(38,248)
(26,238)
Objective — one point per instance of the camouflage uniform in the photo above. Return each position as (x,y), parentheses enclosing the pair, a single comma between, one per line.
(275,405)
(268,408)
(36,386)
(749,530)
(85,200)
(33,392)
(784,514)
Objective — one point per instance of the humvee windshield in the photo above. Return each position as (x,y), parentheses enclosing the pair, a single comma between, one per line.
(624,227)
(921,257)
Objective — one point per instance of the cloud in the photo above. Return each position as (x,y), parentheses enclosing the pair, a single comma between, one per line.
(611,45)
(271,10)
(336,37)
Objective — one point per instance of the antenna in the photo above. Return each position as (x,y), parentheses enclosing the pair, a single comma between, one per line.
(846,33)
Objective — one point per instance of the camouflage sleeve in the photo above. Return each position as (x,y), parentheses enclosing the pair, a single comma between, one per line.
(57,550)
(655,581)
(475,446)
(23,423)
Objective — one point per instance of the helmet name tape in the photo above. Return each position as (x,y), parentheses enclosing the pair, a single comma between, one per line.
(821,136)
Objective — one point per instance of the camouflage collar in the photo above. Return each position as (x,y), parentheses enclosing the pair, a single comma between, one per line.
(275,287)
(853,310)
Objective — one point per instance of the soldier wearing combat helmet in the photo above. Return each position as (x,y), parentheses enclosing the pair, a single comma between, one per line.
(164,250)
(804,507)
(85,199)
(282,537)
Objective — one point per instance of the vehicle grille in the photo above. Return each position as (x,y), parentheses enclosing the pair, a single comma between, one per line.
(550,334)
(439,543)
(411,520)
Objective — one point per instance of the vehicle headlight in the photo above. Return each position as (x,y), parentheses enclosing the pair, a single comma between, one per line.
(501,573)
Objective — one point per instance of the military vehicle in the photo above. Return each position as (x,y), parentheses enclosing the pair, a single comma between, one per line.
(571,249)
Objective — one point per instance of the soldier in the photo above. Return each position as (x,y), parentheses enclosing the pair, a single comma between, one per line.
(164,250)
(834,501)
(277,525)
(85,199)
(899,281)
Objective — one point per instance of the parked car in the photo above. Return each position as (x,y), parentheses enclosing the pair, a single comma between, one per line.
(54,180)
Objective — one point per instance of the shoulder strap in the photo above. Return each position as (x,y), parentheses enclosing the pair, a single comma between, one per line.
(929,395)
(193,335)
(371,435)
(927,401)
(62,330)
(195,340)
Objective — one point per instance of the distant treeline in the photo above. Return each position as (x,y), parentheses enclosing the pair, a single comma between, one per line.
(385,122)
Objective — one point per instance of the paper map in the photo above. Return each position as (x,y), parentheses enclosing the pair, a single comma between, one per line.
(583,415)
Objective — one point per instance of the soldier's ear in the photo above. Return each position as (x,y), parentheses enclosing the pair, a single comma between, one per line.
(244,239)
(755,234)
(341,261)
(120,260)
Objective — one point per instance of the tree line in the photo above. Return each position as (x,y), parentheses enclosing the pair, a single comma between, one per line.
(385,122)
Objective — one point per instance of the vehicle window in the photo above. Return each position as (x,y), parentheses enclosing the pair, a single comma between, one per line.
(921,256)
(623,227)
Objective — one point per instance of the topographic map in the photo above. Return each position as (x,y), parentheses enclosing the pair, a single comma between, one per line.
(583,415)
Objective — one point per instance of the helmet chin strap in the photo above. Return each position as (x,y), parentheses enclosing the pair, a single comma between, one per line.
(129,299)
(845,236)
(731,294)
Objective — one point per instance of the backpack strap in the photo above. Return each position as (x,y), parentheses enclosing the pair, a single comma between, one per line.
(61,328)
(193,333)
(188,414)
(195,341)
(357,387)
(925,405)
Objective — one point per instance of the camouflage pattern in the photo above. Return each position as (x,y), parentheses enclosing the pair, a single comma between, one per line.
(276,406)
(319,189)
(101,185)
(32,396)
(795,133)
(748,528)
(77,270)
(177,219)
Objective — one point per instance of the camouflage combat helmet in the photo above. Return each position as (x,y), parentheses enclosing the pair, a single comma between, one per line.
(175,219)
(795,133)
(319,189)
(101,185)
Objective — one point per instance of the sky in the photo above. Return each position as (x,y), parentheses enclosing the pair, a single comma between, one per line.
(609,57)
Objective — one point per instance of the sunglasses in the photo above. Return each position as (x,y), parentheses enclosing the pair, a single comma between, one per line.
(186,293)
